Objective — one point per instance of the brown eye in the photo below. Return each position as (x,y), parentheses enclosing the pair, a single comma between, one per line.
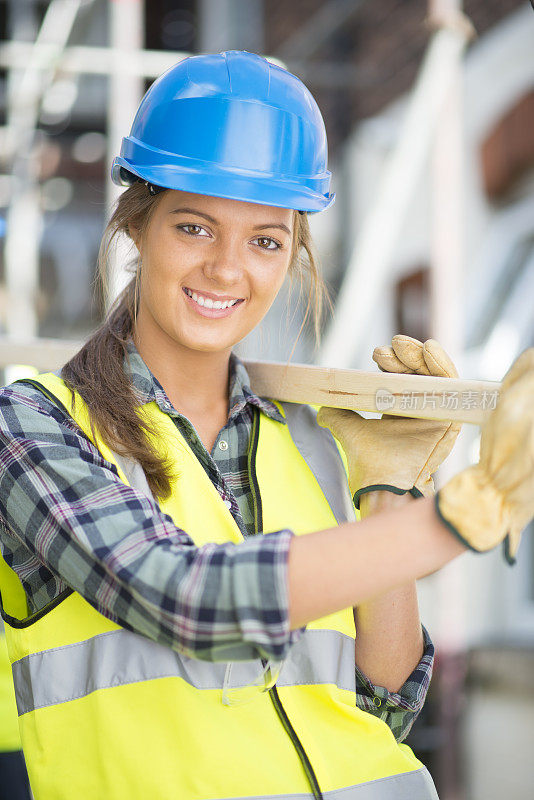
(193,230)
(266,243)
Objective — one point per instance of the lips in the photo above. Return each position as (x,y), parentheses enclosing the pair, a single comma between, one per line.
(211,313)
(211,296)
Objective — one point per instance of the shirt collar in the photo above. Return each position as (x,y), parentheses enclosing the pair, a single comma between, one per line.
(148,388)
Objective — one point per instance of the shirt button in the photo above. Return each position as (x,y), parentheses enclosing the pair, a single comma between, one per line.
(227,503)
(223,445)
(377,702)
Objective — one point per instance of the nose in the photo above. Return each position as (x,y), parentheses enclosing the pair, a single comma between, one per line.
(224,262)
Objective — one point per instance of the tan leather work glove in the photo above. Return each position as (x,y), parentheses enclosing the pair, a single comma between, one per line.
(395,454)
(494,500)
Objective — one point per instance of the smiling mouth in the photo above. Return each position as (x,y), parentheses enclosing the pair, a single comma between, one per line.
(207,302)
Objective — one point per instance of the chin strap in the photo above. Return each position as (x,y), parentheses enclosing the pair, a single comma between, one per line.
(152,188)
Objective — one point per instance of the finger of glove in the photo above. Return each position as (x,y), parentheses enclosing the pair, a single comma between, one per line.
(507,448)
(438,362)
(509,426)
(388,362)
(523,365)
(410,352)
(516,480)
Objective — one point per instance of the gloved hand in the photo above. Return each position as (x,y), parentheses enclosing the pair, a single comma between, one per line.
(494,500)
(397,454)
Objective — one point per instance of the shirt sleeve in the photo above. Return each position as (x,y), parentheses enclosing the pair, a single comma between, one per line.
(398,709)
(69,521)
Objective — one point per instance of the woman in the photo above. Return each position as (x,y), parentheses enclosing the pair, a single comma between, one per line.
(147,636)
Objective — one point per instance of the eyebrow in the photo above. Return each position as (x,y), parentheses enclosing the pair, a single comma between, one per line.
(194,211)
(279,225)
(213,221)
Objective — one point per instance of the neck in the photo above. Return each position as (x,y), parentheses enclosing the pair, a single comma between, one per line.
(193,380)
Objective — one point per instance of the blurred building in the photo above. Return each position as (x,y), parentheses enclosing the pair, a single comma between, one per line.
(360,59)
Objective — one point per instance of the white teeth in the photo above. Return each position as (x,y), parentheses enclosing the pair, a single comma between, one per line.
(207,302)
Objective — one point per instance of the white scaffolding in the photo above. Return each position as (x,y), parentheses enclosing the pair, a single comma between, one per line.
(366,276)
(32,69)
(26,86)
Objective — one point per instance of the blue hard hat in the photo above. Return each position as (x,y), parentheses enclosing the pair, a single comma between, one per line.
(230,125)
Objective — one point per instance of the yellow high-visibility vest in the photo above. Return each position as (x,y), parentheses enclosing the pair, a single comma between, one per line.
(14,601)
(106,713)
(9,723)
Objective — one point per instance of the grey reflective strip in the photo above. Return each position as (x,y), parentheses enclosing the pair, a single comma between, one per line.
(318,448)
(417,785)
(320,656)
(119,657)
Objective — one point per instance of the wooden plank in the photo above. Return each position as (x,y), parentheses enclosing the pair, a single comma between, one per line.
(417,396)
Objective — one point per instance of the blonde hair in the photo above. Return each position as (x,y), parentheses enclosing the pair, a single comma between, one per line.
(96,372)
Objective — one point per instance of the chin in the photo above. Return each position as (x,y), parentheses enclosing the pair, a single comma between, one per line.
(210,347)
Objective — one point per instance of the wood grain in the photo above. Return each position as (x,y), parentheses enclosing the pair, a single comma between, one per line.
(418,396)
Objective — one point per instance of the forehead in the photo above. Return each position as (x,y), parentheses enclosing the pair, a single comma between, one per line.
(223,209)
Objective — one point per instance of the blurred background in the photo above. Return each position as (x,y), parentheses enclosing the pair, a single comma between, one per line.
(429,109)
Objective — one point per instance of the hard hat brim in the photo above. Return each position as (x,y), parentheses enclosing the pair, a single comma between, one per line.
(233,184)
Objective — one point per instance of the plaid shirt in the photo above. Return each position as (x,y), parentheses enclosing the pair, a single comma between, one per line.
(68,521)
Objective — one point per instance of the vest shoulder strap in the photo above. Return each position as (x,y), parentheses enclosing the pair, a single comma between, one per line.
(319,449)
